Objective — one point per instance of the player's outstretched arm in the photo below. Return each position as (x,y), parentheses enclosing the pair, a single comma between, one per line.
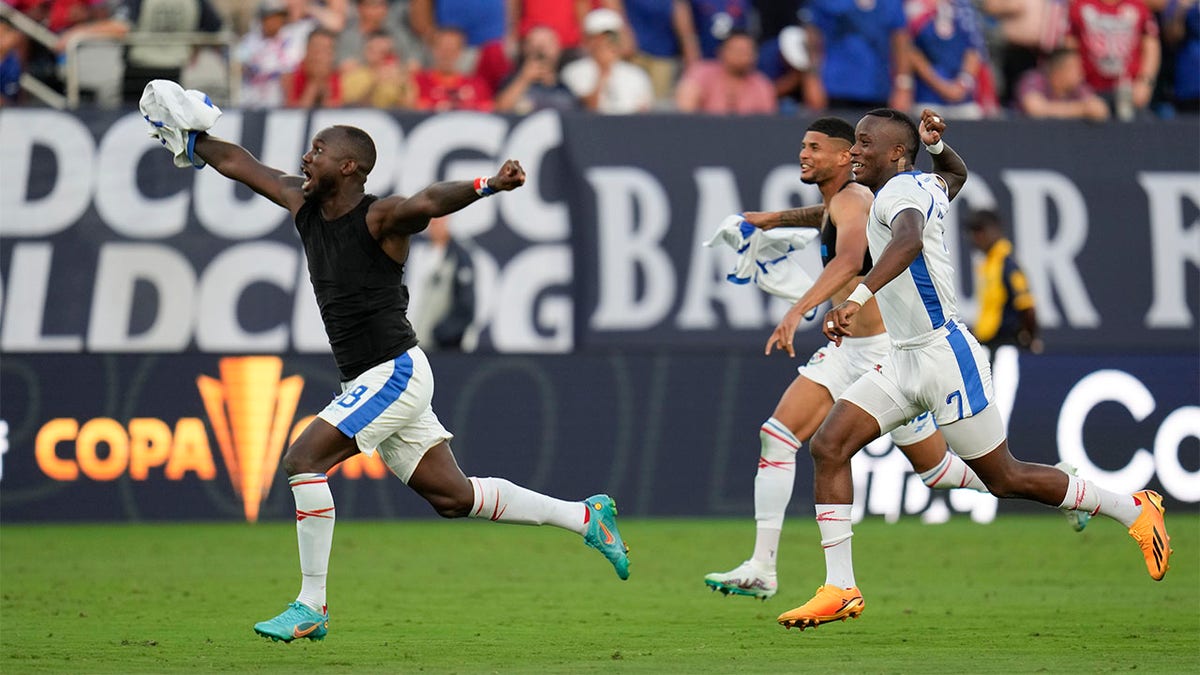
(233,161)
(804,216)
(946,162)
(409,215)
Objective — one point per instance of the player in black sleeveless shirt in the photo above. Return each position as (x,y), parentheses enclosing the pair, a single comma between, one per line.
(356,246)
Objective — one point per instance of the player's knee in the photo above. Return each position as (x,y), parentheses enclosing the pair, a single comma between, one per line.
(451,505)
(1003,485)
(294,461)
(825,447)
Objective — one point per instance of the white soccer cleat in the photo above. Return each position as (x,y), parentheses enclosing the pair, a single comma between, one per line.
(747,579)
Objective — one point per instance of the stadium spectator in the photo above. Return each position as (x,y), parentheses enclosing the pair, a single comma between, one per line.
(381,79)
(443,86)
(729,85)
(387,382)
(774,16)
(328,14)
(1118,40)
(483,23)
(444,300)
(536,83)
(561,16)
(1057,89)
(945,61)
(1006,305)
(601,80)
(12,51)
(861,52)
(369,18)
(666,41)
(1028,29)
(1181,37)
(274,47)
(714,20)
(316,82)
(143,63)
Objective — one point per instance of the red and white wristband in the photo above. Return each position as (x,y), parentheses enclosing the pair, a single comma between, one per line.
(482,188)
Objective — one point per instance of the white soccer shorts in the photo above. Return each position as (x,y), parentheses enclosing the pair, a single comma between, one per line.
(389,407)
(947,374)
(836,368)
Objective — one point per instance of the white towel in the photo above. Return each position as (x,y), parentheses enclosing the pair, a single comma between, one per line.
(176,116)
(767,258)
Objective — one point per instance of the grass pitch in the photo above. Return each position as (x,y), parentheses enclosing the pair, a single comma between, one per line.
(1023,594)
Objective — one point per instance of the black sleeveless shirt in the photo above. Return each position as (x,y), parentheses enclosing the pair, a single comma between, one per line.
(360,290)
(829,241)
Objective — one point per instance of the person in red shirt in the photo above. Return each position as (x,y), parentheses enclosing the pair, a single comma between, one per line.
(316,83)
(1118,40)
(443,86)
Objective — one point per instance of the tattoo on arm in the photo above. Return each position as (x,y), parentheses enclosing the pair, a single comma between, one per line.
(805,216)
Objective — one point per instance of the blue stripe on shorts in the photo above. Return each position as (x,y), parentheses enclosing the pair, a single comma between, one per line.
(402,370)
(967,368)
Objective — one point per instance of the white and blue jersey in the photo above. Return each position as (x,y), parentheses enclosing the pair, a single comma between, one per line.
(937,365)
(922,297)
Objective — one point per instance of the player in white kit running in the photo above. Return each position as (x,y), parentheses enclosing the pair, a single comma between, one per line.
(937,366)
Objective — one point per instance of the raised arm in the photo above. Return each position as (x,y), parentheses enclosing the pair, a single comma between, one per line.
(233,161)
(946,162)
(402,216)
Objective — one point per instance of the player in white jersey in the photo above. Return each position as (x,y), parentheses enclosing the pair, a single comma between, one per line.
(842,219)
(937,365)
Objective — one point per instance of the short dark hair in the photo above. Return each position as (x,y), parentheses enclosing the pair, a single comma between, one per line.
(359,146)
(833,127)
(983,219)
(1057,55)
(913,140)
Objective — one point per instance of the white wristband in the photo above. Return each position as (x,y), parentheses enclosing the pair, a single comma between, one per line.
(860,295)
(936,148)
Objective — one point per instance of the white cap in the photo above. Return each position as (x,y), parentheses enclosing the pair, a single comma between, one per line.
(793,45)
(602,20)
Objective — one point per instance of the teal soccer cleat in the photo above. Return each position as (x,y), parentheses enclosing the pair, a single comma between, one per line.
(297,621)
(1077,519)
(602,533)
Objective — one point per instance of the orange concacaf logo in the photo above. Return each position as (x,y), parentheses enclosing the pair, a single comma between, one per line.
(251,410)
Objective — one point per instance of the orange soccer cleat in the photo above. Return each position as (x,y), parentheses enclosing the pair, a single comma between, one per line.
(1150,532)
(829,604)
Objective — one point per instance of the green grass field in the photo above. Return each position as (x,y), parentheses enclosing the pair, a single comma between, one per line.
(1023,594)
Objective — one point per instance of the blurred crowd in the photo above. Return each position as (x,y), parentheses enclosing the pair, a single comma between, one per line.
(970,59)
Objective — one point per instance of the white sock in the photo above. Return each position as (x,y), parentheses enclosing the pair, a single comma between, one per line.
(1084,495)
(314,532)
(773,488)
(500,500)
(952,473)
(834,522)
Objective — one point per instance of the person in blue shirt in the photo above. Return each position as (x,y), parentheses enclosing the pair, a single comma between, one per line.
(860,49)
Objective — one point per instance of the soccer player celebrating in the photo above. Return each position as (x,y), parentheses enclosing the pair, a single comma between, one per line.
(825,162)
(936,366)
(356,245)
